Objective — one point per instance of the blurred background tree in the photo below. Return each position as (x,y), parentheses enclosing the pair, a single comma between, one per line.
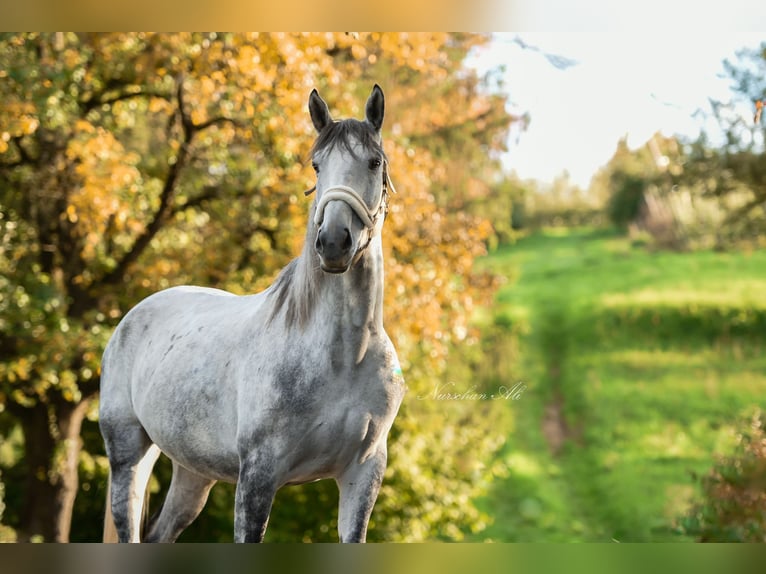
(670,192)
(132,162)
(701,193)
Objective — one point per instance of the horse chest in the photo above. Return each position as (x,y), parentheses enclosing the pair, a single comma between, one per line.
(315,423)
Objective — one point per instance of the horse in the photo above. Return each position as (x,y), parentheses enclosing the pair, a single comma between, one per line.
(294,384)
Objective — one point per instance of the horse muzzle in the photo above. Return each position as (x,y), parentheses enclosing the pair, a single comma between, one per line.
(337,216)
(335,248)
(337,237)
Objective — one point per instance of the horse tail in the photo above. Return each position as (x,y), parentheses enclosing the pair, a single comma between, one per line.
(110,531)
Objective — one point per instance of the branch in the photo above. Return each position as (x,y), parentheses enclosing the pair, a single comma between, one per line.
(24,157)
(210,192)
(90,388)
(186,121)
(189,127)
(127,90)
(158,220)
(11,165)
(93,103)
(8,345)
(213,121)
(745,209)
(164,210)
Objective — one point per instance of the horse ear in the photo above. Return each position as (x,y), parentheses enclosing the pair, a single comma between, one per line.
(375,107)
(320,113)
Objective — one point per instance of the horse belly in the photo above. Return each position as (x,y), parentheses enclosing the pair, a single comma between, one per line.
(187,408)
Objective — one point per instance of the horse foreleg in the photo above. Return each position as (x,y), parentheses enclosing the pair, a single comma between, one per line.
(253,500)
(359,486)
(186,498)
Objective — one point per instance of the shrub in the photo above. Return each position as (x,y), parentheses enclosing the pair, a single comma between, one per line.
(733,505)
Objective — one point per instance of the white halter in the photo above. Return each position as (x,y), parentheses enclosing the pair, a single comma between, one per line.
(353,200)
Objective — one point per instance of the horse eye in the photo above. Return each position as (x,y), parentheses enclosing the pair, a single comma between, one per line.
(315,165)
(374,163)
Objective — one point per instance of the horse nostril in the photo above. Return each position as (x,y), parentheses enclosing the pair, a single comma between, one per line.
(334,243)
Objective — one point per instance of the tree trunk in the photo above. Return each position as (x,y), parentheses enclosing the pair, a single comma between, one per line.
(38,496)
(52,437)
(70,424)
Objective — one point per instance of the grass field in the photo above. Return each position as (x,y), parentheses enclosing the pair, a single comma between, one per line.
(639,365)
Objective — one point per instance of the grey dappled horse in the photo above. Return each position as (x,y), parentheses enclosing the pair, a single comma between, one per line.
(291,385)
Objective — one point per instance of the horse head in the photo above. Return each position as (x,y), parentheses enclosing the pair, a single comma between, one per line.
(352,182)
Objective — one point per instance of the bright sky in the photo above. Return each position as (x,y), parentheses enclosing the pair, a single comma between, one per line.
(621,84)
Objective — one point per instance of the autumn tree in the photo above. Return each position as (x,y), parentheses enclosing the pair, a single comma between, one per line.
(132,162)
(114,149)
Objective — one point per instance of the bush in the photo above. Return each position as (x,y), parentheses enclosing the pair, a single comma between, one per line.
(627,199)
(733,506)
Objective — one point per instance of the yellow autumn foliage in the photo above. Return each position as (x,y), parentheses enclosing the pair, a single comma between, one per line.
(137,161)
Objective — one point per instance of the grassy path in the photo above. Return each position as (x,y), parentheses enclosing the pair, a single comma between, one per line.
(639,368)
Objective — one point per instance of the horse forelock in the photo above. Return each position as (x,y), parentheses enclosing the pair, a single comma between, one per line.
(350,134)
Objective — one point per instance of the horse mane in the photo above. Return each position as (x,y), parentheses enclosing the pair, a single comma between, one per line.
(296,288)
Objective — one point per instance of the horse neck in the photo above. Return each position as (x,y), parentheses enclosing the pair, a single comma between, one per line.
(348,305)
(355,298)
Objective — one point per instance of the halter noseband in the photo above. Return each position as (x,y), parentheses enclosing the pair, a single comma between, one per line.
(353,200)
(351,197)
